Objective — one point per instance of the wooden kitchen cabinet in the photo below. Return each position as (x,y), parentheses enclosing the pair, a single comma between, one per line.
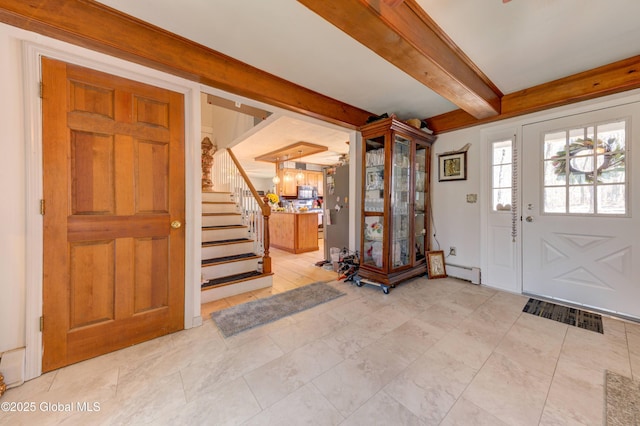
(294,232)
(288,181)
(395,232)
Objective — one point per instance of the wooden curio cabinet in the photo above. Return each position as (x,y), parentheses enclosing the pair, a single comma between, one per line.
(395,201)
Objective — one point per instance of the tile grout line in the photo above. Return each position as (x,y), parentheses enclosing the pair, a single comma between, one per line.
(546,398)
(626,338)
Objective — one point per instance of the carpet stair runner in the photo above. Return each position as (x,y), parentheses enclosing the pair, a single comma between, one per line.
(229,264)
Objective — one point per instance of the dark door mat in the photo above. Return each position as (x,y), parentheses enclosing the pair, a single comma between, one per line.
(565,315)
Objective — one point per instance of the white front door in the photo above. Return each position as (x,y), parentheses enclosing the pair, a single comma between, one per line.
(580,217)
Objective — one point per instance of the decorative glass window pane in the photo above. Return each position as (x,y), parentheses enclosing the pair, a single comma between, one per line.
(613,176)
(581,133)
(611,199)
(502,153)
(591,157)
(614,131)
(554,143)
(502,176)
(551,176)
(502,199)
(578,179)
(555,200)
(502,164)
(581,199)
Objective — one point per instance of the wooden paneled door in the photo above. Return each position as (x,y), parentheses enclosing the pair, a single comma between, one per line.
(114,192)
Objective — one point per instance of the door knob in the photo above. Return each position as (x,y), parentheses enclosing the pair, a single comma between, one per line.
(529,219)
(176,224)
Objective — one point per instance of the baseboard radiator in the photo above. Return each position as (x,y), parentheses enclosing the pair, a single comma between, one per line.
(468,273)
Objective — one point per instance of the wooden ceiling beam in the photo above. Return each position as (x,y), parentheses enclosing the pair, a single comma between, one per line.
(606,80)
(403,34)
(258,113)
(95,26)
(292,152)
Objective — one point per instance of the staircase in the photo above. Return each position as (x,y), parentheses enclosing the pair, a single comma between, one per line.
(231,264)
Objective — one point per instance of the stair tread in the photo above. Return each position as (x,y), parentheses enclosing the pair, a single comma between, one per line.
(224,242)
(222,214)
(224,259)
(219,202)
(224,227)
(231,278)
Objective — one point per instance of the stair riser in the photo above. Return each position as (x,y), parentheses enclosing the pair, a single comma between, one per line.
(221,220)
(219,208)
(217,293)
(224,234)
(227,250)
(231,268)
(219,197)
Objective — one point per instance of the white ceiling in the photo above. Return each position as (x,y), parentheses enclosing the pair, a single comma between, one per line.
(517,44)
(280,131)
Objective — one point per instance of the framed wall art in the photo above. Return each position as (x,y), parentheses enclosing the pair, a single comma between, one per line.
(452,166)
(435,264)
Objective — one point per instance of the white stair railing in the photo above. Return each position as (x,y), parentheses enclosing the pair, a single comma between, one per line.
(229,176)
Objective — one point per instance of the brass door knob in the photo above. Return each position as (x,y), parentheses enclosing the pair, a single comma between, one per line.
(176,224)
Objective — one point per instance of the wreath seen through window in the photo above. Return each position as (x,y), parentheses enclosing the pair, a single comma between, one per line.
(585,158)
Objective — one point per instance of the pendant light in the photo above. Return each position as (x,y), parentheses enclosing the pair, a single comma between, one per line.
(300,175)
(276,178)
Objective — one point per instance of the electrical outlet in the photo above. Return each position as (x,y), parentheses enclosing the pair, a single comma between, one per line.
(452,251)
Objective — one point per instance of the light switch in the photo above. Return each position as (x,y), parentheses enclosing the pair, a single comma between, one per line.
(472,198)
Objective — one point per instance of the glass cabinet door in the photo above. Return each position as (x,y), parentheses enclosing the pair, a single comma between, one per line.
(420,203)
(374,175)
(400,187)
(372,244)
(373,219)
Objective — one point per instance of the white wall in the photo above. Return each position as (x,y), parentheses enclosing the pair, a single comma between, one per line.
(456,222)
(223,126)
(13,189)
(262,184)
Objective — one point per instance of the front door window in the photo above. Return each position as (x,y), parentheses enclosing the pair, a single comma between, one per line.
(585,170)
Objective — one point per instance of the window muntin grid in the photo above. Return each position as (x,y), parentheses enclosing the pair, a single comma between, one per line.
(584,170)
(501,175)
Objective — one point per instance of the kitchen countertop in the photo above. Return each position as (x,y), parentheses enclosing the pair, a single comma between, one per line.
(307,212)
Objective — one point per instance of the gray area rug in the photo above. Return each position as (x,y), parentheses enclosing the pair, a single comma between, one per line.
(622,400)
(239,318)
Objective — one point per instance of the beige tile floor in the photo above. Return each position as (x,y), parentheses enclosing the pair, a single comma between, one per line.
(431,352)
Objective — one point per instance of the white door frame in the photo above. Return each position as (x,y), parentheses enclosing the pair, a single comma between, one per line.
(32,53)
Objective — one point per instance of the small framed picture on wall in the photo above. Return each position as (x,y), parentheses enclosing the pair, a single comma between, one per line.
(452,166)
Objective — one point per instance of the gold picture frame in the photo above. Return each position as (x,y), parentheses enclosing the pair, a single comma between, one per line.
(452,166)
(435,264)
